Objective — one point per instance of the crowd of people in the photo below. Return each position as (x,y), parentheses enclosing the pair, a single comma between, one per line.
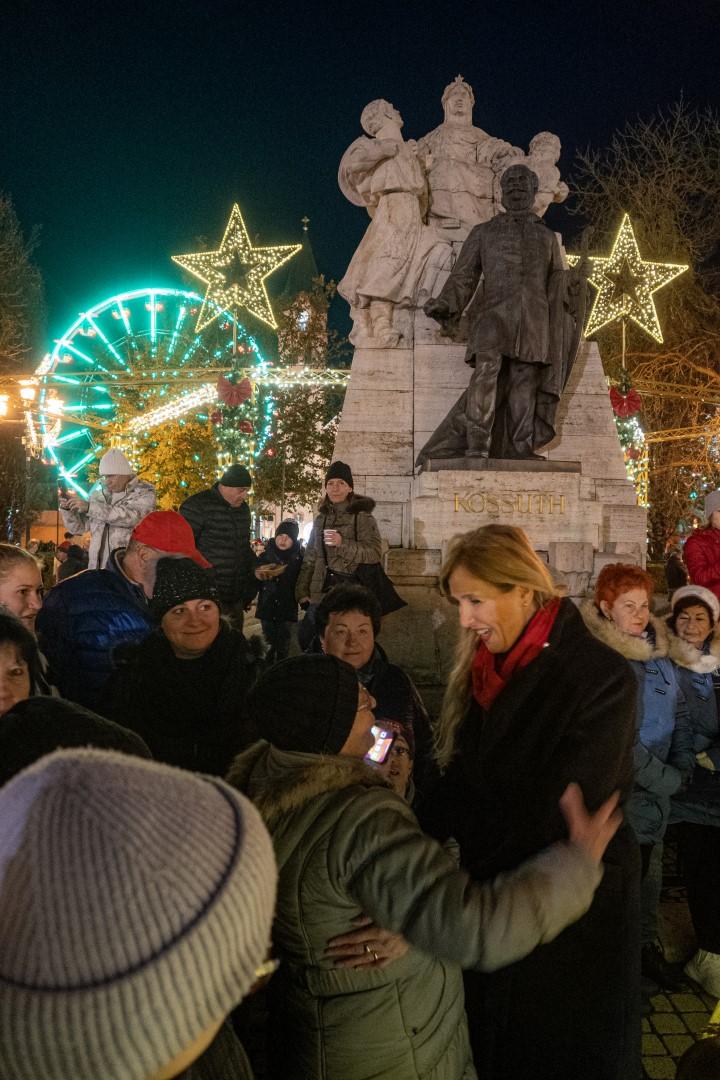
(185,809)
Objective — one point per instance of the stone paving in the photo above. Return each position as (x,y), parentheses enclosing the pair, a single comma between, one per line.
(676,1020)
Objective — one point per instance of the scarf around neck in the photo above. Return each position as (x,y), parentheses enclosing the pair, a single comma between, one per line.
(491,673)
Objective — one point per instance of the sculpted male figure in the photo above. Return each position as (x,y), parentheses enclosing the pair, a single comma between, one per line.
(517,324)
(459,160)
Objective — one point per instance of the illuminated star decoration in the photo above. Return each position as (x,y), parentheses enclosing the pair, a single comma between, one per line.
(235,274)
(625,284)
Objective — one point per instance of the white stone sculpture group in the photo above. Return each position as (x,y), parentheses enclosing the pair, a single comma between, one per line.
(424,198)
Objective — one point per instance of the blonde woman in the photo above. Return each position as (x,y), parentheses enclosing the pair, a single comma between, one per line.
(534,702)
(21,593)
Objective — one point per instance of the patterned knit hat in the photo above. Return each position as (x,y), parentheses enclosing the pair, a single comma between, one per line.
(136,903)
(306,703)
(178,580)
(288,528)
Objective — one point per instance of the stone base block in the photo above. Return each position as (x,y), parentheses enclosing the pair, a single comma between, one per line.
(566,557)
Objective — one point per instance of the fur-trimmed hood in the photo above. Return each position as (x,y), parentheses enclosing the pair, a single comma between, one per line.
(688,656)
(358,504)
(629,646)
(281,781)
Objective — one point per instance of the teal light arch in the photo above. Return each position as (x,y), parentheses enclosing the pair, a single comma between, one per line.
(103,350)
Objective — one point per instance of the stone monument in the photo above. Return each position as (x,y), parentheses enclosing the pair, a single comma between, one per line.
(567,485)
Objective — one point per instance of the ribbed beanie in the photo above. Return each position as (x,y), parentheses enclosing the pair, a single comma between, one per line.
(178,580)
(114,463)
(340,471)
(135,905)
(306,703)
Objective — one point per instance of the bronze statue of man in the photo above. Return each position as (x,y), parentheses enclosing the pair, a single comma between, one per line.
(520,340)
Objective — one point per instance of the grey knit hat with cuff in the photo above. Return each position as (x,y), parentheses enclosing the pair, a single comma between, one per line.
(136,902)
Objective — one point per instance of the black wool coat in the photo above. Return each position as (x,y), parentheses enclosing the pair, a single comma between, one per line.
(222,534)
(571,1008)
(191,713)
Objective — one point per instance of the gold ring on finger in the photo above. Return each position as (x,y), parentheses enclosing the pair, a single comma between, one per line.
(375,956)
(367,948)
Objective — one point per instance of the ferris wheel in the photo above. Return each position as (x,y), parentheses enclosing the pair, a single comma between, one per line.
(142,337)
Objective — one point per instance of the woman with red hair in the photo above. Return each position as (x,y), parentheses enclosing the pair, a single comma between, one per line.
(664,755)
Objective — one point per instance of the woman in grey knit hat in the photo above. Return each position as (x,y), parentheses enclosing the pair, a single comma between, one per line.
(135,910)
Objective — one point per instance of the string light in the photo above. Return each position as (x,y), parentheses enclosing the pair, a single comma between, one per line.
(235,274)
(626,283)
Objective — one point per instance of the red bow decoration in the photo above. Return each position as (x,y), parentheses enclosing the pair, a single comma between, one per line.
(233,394)
(246,427)
(215,417)
(632,453)
(625,405)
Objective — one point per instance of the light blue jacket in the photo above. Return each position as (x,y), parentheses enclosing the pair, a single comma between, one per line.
(663,755)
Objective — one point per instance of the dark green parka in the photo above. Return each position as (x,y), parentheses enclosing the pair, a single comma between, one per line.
(346,845)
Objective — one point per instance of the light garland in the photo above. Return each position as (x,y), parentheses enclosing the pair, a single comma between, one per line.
(207,393)
(626,283)
(235,274)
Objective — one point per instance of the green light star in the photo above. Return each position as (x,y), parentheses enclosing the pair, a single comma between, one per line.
(625,284)
(235,274)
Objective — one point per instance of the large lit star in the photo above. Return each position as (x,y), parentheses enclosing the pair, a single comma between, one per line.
(235,274)
(625,284)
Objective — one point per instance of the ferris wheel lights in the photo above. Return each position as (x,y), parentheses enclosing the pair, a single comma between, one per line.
(4,404)
(54,406)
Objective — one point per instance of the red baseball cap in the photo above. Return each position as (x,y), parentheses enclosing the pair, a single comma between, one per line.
(166,530)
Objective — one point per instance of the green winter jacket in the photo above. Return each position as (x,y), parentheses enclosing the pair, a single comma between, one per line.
(361,544)
(346,845)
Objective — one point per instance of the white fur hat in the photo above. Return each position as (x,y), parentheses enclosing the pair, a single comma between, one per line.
(698,592)
(114,463)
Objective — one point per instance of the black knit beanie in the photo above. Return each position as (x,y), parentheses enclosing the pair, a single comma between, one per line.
(340,471)
(306,703)
(288,528)
(236,476)
(178,580)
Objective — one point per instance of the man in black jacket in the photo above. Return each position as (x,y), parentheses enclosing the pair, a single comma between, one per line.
(220,521)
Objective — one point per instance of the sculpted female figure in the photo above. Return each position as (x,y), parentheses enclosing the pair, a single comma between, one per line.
(382,173)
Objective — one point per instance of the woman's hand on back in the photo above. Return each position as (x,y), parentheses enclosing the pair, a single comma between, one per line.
(368,946)
(593,832)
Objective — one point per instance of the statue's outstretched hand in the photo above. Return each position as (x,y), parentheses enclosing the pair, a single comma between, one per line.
(591,831)
(437,309)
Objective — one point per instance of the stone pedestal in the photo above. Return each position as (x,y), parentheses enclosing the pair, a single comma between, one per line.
(577,506)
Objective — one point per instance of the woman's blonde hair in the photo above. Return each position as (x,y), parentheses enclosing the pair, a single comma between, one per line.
(502,556)
(12,556)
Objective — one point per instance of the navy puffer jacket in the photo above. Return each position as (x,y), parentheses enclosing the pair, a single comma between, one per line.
(82,621)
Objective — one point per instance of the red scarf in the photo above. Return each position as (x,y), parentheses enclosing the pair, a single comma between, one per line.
(488,679)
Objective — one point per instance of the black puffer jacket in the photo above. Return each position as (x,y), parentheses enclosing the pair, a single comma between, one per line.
(191,713)
(222,533)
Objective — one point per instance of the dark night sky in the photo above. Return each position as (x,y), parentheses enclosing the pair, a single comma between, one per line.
(128,129)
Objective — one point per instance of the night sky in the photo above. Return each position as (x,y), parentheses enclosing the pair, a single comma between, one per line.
(128,129)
